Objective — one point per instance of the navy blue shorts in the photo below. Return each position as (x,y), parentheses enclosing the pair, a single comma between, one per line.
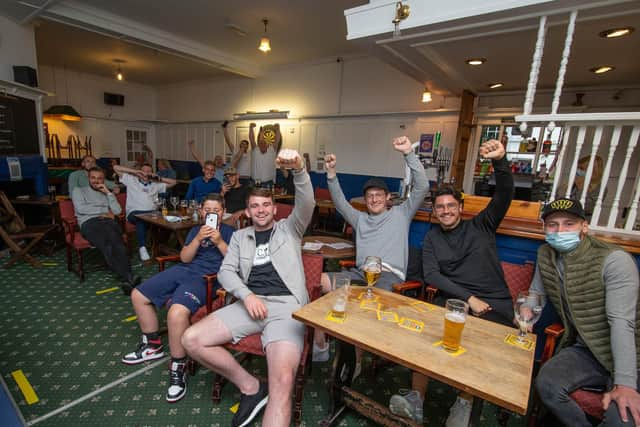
(179,284)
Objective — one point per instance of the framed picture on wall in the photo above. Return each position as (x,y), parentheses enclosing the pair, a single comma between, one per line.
(426,143)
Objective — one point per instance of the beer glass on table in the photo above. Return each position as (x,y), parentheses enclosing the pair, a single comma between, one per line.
(372,268)
(341,284)
(454,320)
(527,308)
(184,204)
(174,200)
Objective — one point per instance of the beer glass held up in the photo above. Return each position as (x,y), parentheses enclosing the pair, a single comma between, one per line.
(454,320)
(372,268)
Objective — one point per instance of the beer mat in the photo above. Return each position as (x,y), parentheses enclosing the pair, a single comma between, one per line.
(525,343)
(411,324)
(234,408)
(461,349)
(370,304)
(421,307)
(387,316)
(331,318)
(362,296)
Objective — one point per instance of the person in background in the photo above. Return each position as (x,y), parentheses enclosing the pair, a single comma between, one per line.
(594,185)
(241,159)
(594,288)
(143,190)
(96,209)
(263,156)
(218,162)
(263,270)
(235,194)
(183,288)
(202,185)
(80,178)
(165,171)
(145,157)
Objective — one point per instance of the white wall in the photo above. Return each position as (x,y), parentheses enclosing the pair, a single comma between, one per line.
(17,47)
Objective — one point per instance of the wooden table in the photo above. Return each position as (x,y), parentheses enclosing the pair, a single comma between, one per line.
(40,201)
(157,222)
(327,251)
(489,369)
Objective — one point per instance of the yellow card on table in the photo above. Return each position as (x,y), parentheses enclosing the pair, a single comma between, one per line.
(411,324)
(362,297)
(421,306)
(370,304)
(330,317)
(234,408)
(450,353)
(387,316)
(525,343)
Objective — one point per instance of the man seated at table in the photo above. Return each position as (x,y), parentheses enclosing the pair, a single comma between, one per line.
(218,161)
(263,154)
(460,258)
(80,178)
(183,288)
(143,192)
(263,270)
(379,231)
(96,209)
(235,194)
(594,288)
(205,184)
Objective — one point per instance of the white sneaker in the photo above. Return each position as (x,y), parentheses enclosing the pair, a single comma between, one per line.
(320,354)
(459,414)
(144,255)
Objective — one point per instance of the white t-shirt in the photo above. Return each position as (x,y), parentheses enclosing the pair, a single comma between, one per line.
(264,164)
(244,164)
(140,196)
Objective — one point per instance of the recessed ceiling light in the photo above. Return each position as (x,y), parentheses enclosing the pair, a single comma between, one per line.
(495,85)
(601,69)
(476,61)
(616,32)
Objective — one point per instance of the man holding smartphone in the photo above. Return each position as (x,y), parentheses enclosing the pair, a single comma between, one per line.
(183,288)
(263,270)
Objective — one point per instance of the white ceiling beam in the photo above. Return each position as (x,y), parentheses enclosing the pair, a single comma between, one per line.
(91,19)
(37,12)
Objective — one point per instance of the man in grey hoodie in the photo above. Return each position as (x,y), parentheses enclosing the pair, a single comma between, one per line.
(263,270)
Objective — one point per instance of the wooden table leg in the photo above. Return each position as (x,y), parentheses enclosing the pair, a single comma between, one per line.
(155,244)
(476,410)
(343,366)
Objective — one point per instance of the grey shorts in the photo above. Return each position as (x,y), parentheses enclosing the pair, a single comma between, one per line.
(278,325)
(385,281)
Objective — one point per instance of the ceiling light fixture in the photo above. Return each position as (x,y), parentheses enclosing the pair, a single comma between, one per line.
(495,85)
(616,32)
(265,43)
(476,61)
(62,112)
(426,96)
(602,69)
(119,73)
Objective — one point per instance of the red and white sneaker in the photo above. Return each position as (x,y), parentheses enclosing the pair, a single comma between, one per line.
(146,351)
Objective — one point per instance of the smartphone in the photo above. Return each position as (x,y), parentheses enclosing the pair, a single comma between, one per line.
(211,220)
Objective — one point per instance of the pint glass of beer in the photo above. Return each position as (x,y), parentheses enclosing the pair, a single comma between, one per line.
(454,319)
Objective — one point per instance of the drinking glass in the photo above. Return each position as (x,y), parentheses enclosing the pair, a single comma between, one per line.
(174,200)
(454,320)
(372,268)
(184,204)
(527,308)
(52,192)
(342,281)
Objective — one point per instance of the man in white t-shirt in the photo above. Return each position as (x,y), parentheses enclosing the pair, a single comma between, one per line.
(263,156)
(241,159)
(143,187)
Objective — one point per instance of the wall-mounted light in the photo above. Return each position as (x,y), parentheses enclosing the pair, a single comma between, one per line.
(119,73)
(402,13)
(426,95)
(261,115)
(265,43)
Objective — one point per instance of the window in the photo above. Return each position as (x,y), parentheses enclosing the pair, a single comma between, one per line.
(136,140)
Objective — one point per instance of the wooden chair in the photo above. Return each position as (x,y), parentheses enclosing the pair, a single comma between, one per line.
(129,228)
(18,237)
(252,346)
(283,211)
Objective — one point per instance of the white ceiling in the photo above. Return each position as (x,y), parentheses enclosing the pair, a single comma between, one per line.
(194,41)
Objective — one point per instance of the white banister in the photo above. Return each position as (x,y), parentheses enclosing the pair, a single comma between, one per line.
(563,67)
(633,212)
(563,150)
(633,140)
(615,138)
(536,61)
(592,158)
(574,165)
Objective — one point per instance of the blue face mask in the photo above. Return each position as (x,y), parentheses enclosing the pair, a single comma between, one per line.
(564,241)
(581,172)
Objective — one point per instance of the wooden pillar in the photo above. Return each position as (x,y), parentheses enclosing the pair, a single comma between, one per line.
(463,135)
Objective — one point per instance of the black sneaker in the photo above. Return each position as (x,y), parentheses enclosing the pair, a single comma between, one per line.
(250,406)
(128,286)
(145,351)
(177,381)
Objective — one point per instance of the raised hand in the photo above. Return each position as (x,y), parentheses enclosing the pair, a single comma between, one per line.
(289,159)
(492,149)
(330,165)
(252,125)
(402,144)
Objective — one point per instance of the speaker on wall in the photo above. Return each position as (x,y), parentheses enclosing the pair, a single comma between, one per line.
(25,75)
(113,99)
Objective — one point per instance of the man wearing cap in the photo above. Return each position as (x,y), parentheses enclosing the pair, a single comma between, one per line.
(234,193)
(380,231)
(594,288)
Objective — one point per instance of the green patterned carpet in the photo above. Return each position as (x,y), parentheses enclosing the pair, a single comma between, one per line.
(68,341)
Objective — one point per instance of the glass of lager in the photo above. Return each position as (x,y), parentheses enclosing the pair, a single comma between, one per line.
(341,283)
(454,318)
(372,269)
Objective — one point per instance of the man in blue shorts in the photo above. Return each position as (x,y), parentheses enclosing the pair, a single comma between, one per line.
(183,289)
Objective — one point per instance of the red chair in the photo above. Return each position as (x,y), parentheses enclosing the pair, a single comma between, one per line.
(283,211)
(324,213)
(252,346)
(129,229)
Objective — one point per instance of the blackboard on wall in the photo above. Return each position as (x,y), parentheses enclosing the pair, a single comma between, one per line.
(18,126)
